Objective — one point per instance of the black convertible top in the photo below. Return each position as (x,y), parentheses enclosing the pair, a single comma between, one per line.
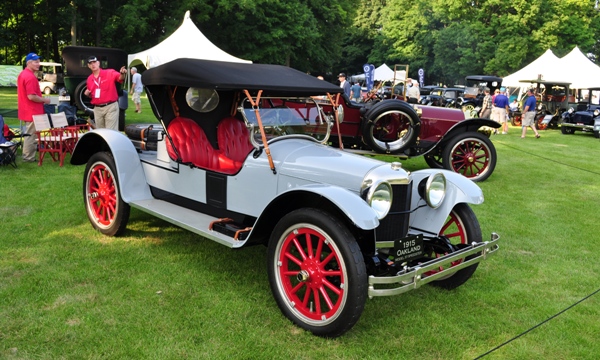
(219,75)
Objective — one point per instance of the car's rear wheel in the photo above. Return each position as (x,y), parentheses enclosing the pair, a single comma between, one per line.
(317,272)
(539,124)
(470,154)
(47,91)
(461,228)
(596,134)
(105,208)
(567,130)
(391,127)
(515,120)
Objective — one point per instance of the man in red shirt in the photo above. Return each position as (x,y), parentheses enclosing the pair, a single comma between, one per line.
(101,87)
(30,102)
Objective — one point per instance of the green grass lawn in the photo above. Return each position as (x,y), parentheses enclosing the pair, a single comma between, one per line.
(160,292)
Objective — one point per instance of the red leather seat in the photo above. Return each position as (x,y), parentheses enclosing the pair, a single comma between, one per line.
(234,139)
(194,148)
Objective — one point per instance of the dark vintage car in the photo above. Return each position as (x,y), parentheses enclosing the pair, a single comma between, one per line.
(441,96)
(586,119)
(240,155)
(474,94)
(76,72)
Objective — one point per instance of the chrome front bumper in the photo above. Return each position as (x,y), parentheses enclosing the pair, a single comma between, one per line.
(412,278)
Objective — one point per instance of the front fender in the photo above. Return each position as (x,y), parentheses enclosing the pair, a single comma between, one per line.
(348,203)
(459,189)
(132,180)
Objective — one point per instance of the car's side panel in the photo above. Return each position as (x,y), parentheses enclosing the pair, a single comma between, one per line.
(132,179)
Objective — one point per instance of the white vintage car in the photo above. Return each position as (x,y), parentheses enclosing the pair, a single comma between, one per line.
(232,160)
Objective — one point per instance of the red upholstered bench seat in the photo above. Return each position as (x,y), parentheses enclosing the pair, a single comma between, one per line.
(194,148)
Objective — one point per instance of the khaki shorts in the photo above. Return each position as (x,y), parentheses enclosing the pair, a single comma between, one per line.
(136,97)
(499,114)
(528,119)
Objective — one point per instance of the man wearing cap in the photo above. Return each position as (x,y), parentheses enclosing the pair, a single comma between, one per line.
(344,84)
(101,87)
(501,109)
(30,102)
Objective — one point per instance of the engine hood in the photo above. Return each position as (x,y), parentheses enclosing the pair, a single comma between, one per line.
(310,162)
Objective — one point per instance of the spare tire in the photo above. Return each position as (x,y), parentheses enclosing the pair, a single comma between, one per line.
(83,102)
(390,127)
(145,132)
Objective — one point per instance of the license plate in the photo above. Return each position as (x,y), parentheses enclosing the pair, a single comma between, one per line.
(408,248)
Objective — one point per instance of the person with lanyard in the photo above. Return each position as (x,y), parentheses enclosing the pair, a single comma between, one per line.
(529,114)
(101,87)
(501,110)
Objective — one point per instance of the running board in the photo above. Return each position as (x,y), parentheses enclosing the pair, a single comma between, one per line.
(193,221)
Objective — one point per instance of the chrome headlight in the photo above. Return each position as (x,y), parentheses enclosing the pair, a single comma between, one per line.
(435,190)
(340,112)
(379,198)
(571,110)
(596,112)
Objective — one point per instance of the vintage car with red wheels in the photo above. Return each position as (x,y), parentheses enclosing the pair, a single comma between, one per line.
(241,155)
(444,136)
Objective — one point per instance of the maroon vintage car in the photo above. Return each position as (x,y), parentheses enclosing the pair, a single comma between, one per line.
(394,127)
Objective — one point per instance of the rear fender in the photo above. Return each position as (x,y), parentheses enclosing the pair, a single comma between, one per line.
(459,189)
(132,180)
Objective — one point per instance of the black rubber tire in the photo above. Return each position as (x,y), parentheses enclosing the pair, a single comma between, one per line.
(434,160)
(339,253)
(470,154)
(47,91)
(567,130)
(83,102)
(462,223)
(134,131)
(106,210)
(391,116)
(597,134)
(121,120)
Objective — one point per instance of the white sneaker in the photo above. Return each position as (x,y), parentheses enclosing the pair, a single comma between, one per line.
(504,133)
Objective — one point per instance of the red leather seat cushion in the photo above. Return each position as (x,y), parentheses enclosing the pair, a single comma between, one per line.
(191,143)
(234,139)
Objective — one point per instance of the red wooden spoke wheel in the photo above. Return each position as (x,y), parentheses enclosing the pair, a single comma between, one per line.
(105,209)
(470,154)
(317,273)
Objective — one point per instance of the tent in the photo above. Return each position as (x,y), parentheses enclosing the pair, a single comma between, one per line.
(547,65)
(383,73)
(580,71)
(186,42)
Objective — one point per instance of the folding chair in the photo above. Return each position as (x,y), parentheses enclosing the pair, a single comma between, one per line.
(60,120)
(56,141)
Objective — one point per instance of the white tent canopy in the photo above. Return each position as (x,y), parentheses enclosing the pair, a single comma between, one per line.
(186,42)
(546,65)
(383,73)
(580,71)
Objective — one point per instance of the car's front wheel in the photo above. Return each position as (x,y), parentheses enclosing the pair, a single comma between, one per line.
(461,229)
(470,154)
(317,272)
(105,208)
(567,130)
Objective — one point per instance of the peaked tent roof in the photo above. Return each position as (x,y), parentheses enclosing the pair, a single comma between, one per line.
(186,42)
(383,73)
(546,65)
(580,71)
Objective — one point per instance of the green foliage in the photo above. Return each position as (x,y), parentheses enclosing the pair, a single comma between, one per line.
(448,38)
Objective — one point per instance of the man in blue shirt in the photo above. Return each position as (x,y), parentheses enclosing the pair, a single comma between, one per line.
(356,90)
(500,110)
(529,114)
